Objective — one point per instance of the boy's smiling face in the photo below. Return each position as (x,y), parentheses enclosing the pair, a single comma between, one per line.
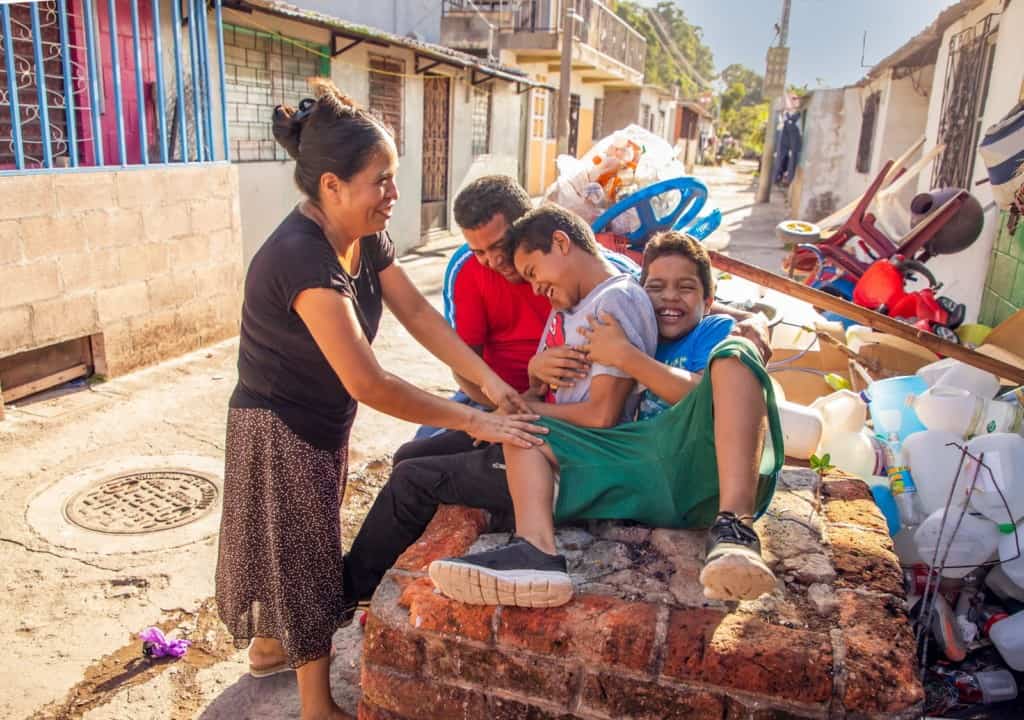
(677,293)
(551,274)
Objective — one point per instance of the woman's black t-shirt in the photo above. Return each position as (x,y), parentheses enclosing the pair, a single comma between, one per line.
(280,366)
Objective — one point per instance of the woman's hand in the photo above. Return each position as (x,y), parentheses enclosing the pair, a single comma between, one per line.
(606,343)
(518,430)
(504,397)
(559,366)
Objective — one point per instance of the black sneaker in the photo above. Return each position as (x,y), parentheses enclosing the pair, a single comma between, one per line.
(516,574)
(733,568)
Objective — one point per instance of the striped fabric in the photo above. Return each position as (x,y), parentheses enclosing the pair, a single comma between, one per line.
(1002,149)
(463,255)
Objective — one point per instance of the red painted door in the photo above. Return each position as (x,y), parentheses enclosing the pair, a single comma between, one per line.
(132,104)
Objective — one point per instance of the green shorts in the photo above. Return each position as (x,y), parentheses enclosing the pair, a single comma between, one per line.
(662,471)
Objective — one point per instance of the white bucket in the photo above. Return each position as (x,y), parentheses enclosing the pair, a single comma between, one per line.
(933,464)
(801,429)
(842,411)
(1008,637)
(1012,564)
(954,373)
(975,542)
(999,491)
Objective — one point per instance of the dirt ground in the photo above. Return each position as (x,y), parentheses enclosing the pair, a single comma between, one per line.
(70,612)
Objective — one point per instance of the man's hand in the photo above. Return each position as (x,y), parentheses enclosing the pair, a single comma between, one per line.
(559,366)
(505,398)
(606,342)
(755,329)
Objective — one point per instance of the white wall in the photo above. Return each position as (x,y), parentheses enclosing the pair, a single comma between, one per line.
(828,157)
(964,273)
(267,193)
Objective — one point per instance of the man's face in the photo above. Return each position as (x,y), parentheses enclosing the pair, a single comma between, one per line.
(677,293)
(486,244)
(551,274)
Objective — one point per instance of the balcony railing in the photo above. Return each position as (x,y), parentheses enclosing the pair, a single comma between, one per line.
(110,83)
(597,27)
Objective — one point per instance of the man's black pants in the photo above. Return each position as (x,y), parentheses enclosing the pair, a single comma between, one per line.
(441,470)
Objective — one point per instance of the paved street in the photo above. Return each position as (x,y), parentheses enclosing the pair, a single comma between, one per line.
(72,605)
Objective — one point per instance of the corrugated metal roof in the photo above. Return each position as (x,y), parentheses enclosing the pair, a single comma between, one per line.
(355,31)
(923,48)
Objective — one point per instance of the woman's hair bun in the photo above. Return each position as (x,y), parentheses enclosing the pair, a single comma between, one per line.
(288,124)
(329,94)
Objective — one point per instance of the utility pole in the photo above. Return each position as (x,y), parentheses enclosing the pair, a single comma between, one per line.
(764,183)
(565,79)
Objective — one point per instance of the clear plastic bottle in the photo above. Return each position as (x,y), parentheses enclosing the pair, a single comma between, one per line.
(901,483)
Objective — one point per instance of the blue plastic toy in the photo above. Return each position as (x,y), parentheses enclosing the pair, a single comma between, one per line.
(692,196)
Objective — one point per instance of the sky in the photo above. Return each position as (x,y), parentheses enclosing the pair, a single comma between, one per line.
(824,35)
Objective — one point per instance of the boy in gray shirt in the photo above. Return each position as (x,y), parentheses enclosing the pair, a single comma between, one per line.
(554,251)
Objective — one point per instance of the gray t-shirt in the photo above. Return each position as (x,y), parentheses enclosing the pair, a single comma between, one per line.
(623,298)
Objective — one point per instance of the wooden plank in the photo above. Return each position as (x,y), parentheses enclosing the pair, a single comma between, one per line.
(45,383)
(867,317)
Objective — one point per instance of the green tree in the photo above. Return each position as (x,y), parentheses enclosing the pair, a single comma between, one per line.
(660,67)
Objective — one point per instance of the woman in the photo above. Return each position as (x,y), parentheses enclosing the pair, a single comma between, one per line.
(313,302)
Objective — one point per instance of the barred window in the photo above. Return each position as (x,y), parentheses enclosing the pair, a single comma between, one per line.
(867,132)
(483,98)
(386,86)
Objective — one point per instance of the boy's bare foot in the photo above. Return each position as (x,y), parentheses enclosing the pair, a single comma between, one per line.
(267,657)
(516,574)
(733,567)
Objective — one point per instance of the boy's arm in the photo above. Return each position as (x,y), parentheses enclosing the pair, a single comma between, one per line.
(671,384)
(602,409)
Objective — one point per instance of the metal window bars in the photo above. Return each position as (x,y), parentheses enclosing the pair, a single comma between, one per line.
(87,84)
(944,544)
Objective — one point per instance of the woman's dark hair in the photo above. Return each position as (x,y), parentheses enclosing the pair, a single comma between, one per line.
(329,134)
(678,243)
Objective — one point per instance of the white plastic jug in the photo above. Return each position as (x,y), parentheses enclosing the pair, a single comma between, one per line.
(801,429)
(954,373)
(1002,586)
(933,464)
(975,541)
(1012,561)
(999,490)
(853,452)
(842,411)
(1008,637)
(961,412)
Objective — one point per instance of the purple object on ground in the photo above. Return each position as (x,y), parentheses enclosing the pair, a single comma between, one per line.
(156,645)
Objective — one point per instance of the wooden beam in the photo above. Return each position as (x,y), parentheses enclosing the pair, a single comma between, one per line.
(422,64)
(45,383)
(479,78)
(335,52)
(862,315)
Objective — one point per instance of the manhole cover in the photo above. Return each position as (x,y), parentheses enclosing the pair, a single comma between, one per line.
(143,502)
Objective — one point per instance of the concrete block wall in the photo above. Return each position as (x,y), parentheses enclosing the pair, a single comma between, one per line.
(149,258)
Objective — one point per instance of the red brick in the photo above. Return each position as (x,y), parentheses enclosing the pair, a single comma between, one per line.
(593,628)
(418,698)
(737,711)
(881,670)
(368,711)
(504,709)
(865,560)
(839,486)
(429,610)
(748,654)
(449,534)
(862,513)
(618,697)
(394,647)
(489,668)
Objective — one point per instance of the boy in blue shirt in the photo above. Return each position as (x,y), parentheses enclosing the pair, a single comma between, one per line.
(697,458)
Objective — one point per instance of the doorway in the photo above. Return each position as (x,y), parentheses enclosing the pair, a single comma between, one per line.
(436,107)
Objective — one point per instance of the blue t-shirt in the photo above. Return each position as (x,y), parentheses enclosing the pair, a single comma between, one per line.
(689,352)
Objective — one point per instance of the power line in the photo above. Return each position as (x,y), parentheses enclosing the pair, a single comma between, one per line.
(669,43)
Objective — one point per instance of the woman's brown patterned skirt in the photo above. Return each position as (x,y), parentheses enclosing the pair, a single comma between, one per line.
(279,567)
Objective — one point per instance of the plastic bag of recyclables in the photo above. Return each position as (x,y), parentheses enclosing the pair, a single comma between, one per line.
(615,167)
